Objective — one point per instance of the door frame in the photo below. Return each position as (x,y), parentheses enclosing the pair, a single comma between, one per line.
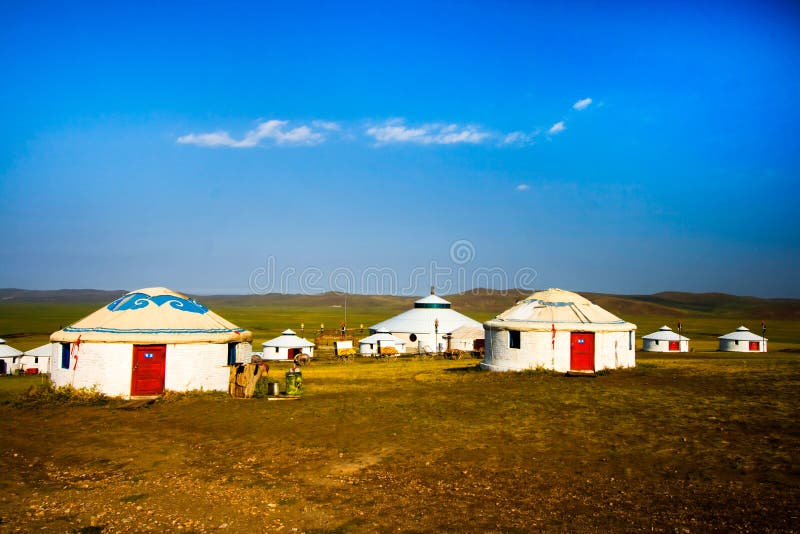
(142,348)
(572,336)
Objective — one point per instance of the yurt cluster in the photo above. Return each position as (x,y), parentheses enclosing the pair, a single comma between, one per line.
(154,339)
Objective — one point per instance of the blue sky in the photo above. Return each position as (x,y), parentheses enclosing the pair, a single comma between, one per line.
(593,146)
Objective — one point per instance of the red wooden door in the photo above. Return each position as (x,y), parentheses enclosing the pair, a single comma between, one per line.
(581,351)
(674,345)
(292,353)
(149,365)
(755,345)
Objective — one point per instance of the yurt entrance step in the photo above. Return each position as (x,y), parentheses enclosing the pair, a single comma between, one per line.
(590,374)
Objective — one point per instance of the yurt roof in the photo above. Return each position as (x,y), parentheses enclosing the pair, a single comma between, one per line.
(288,339)
(153,315)
(665,333)
(469,331)
(742,334)
(7,351)
(40,352)
(563,309)
(421,318)
(381,336)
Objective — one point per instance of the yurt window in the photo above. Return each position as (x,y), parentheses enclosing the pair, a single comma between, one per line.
(65,355)
(231,353)
(513,339)
(657,341)
(276,349)
(630,340)
(413,337)
(35,359)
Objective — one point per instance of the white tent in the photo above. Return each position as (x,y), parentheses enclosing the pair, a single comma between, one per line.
(9,358)
(561,331)
(418,327)
(665,340)
(468,337)
(38,358)
(286,347)
(371,344)
(146,342)
(742,340)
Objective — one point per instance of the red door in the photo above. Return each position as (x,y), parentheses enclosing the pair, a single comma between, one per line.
(149,364)
(673,345)
(292,353)
(581,351)
(754,345)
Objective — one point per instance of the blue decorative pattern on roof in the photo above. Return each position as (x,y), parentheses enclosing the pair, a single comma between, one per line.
(136,301)
(154,330)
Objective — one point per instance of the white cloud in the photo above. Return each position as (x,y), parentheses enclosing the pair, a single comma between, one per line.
(395,131)
(557,128)
(523,187)
(518,138)
(326,125)
(582,104)
(274,130)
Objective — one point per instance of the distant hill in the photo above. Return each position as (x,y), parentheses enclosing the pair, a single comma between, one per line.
(477,302)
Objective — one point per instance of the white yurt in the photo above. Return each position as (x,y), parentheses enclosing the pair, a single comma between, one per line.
(665,340)
(742,340)
(9,358)
(146,342)
(286,346)
(561,331)
(379,340)
(38,358)
(468,338)
(418,327)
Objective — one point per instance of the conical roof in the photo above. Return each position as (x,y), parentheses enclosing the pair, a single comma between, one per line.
(563,309)
(288,339)
(7,350)
(381,336)
(421,319)
(665,333)
(153,315)
(42,351)
(742,334)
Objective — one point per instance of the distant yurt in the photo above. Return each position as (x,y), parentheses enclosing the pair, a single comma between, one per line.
(665,340)
(286,346)
(468,338)
(561,331)
(9,358)
(419,326)
(37,360)
(742,340)
(380,340)
(146,342)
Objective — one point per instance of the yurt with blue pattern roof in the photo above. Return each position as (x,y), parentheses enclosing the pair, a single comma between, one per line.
(146,342)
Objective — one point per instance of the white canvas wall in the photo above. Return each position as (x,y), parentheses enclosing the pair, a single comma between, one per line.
(282,353)
(662,345)
(372,348)
(743,345)
(612,350)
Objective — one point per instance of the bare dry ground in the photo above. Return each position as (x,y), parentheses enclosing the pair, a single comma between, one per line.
(703,442)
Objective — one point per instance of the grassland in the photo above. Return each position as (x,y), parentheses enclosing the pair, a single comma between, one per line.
(702,442)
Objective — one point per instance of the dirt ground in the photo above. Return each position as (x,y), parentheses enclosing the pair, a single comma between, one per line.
(693,443)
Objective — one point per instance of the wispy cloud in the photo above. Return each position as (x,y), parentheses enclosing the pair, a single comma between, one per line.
(557,128)
(582,104)
(523,187)
(396,131)
(274,130)
(326,125)
(519,138)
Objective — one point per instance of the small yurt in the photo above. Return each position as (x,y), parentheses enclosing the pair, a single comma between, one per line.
(742,340)
(146,342)
(9,358)
(468,338)
(380,340)
(419,326)
(561,331)
(38,359)
(665,340)
(286,346)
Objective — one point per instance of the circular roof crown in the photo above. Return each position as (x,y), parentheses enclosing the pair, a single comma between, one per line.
(431,301)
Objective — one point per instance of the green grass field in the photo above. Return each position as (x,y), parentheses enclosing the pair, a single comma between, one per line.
(700,442)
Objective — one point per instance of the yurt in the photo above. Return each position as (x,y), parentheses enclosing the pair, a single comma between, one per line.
(419,326)
(38,359)
(561,331)
(468,338)
(146,342)
(665,340)
(379,340)
(286,346)
(742,340)
(9,358)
